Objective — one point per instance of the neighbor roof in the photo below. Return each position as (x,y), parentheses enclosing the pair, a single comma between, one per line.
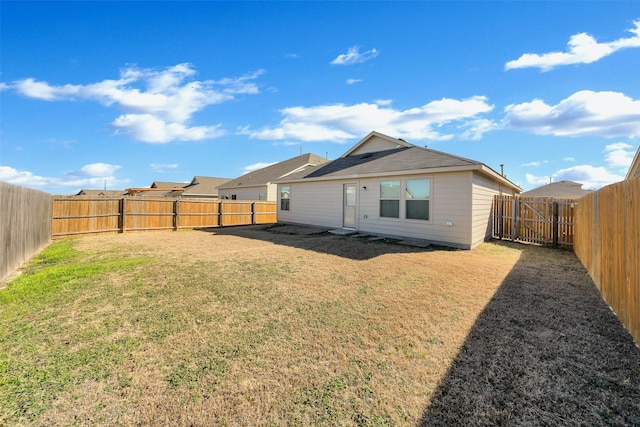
(271,173)
(203,186)
(559,190)
(101,193)
(168,184)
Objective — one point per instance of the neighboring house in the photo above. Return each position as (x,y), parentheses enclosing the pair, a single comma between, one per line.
(101,193)
(199,187)
(558,190)
(389,187)
(634,170)
(260,185)
(203,187)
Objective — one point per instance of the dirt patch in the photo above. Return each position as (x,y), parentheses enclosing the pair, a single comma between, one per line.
(247,326)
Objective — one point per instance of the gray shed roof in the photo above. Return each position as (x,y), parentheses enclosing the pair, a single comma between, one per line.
(271,173)
(558,190)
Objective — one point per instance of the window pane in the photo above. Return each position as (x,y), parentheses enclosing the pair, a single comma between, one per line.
(417,189)
(284,191)
(418,209)
(350,195)
(284,204)
(390,208)
(389,189)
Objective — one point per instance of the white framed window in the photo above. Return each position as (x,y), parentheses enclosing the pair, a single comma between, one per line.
(390,199)
(285,192)
(417,197)
(407,199)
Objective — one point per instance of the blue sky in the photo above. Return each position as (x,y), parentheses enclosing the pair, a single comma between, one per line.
(126,93)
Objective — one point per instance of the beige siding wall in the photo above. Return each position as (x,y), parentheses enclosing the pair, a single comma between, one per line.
(320,203)
(375,144)
(483,192)
(248,193)
(314,203)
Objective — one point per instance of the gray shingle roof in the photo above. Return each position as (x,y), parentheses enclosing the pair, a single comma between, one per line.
(269,174)
(558,190)
(168,184)
(395,160)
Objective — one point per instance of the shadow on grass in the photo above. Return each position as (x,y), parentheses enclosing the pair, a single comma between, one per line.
(546,350)
(320,240)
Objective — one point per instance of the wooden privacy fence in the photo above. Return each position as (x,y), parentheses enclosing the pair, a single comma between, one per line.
(534,219)
(25,225)
(607,241)
(79,215)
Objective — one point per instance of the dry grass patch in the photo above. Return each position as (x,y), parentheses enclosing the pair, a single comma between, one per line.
(244,327)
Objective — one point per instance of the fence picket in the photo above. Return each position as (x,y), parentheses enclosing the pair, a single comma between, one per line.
(81,215)
(534,219)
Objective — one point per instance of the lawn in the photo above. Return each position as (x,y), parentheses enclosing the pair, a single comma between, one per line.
(249,326)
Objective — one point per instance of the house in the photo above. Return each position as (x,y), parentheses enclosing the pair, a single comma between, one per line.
(203,187)
(199,187)
(388,187)
(260,184)
(634,170)
(558,190)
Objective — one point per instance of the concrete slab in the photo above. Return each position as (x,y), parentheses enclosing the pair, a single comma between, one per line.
(306,230)
(343,232)
(416,243)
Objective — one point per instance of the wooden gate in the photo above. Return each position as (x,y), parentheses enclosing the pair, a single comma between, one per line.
(539,220)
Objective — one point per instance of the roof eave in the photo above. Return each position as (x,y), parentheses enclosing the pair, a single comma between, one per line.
(475,167)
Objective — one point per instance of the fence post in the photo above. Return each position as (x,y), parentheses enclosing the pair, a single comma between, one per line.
(555,224)
(221,214)
(123,208)
(176,214)
(500,217)
(253,213)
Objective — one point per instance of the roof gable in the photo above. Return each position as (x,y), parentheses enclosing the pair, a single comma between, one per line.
(270,173)
(375,142)
(395,160)
(634,169)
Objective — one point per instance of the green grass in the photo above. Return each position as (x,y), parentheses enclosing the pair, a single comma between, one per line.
(121,330)
(40,356)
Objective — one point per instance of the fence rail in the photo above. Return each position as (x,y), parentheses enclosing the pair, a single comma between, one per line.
(539,220)
(608,244)
(79,215)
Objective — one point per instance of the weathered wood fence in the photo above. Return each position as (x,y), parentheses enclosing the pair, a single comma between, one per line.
(607,241)
(25,225)
(534,219)
(78,215)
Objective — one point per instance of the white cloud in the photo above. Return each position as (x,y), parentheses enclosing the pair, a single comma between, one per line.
(156,104)
(148,128)
(75,180)
(95,169)
(585,113)
(256,166)
(583,49)
(162,167)
(569,159)
(353,56)
(530,164)
(536,180)
(619,155)
(341,123)
(353,81)
(591,177)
